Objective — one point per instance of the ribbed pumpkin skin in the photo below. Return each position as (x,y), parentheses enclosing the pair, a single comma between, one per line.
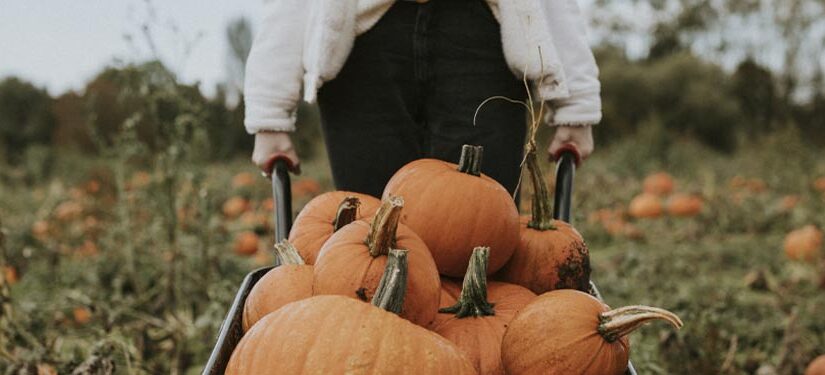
(548,260)
(280,286)
(453,212)
(345,267)
(557,334)
(339,335)
(480,337)
(315,223)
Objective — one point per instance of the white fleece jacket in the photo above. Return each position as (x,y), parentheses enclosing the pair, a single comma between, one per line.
(304,43)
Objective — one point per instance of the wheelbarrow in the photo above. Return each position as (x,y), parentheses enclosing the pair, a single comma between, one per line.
(231,330)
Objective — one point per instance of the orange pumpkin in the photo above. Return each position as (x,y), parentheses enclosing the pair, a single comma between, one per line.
(289,282)
(803,244)
(475,325)
(41,230)
(340,335)
(816,367)
(243,180)
(306,187)
(352,261)
(570,332)
(10,275)
(819,184)
(235,206)
(645,205)
(82,315)
(685,205)
(68,211)
(551,254)
(246,243)
(659,183)
(788,202)
(455,208)
(324,215)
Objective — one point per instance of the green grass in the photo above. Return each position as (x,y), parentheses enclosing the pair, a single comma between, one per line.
(159,287)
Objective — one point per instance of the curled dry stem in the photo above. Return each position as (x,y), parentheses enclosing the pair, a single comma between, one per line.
(615,324)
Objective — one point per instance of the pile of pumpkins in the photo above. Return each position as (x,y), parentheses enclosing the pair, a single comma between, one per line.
(374,286)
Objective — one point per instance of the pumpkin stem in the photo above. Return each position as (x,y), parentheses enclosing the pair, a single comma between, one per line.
(542,215)
(347,212)
(470,161)
(473,298)
(384,225)
(393,285)
(287,253)
(615,324)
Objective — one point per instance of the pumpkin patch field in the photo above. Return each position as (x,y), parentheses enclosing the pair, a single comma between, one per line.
(128,264)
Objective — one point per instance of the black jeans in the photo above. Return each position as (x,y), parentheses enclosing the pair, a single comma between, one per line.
(409,90)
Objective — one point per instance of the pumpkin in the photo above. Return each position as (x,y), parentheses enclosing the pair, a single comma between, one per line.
(788,203)
(475,325)
(659,183)
(816,367)
(306,187)
(41,230)
(803,244)
(324,215)
(684,205)
(551,254)
(243,180)
(819,184)
(289,282)
(455,208)
(10,275)
(645,205)
(82,315)
(352,261)
(246,243)
(340,335)
(235,206)
(68,211)
(570,332)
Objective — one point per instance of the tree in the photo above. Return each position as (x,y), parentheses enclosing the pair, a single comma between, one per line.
(25,117)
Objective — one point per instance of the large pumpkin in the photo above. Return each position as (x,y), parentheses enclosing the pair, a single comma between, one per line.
(324,215)
(353,259)
(455,208)
(340,335)
(570,332)
(289,282)
(816,367)
(476,325)
(551,254)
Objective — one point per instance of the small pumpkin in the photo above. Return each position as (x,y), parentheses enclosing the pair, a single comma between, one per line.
(289,282)
(685,205)
(817,366)
(819,184)
(353,260)
(82,315)
(340,335)
(246,243)
(10,275)
(243,180)
(804,244)
(645,205)
(475,325)
(570,332)
(324,215)
(234,207)
(455,208)
(551,254)
(660,184)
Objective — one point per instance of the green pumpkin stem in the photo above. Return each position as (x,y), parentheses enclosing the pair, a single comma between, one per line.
(393,285)
(473,298)
(347,212)
(470,160)
(381,237)
(615,324)
(542,215)
(287,254)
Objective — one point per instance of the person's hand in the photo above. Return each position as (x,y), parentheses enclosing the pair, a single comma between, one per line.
(579,136)
(268,144)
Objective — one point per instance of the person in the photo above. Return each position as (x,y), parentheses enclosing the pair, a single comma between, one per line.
(396,81)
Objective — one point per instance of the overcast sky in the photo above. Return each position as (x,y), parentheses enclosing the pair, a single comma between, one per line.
(60,44)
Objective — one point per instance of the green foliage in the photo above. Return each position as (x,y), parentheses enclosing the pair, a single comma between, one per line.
(25,117)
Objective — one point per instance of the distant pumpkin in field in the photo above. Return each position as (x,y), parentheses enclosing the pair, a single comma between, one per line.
(685,205)
(307,187)
(268,205)
(246,243)
(645,205)
(819,184)
(10,275)
(235,206)
(41,230)
(817,366)
(68,211)
(82,315)
(788,202)
(659,184)
(46,369)
(804,243)
(242,180)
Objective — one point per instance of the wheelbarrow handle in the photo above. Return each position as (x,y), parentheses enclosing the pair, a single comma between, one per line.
(279,166)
